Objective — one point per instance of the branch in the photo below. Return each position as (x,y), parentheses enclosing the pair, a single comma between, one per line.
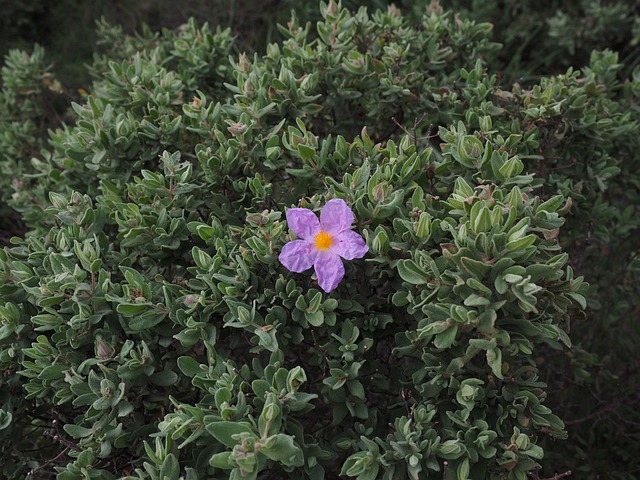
(49,462)
(557,476)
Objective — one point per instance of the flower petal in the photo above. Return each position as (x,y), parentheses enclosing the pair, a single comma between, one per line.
(303,222)
(298,256)
(336,216)
(349,245)
(329,269)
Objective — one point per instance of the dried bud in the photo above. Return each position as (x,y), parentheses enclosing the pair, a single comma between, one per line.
(379,193)
(248,88)
(236,128)
(244,65)
(332,7)
(393,10)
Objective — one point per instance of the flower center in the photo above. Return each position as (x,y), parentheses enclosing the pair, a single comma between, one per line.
(323,240)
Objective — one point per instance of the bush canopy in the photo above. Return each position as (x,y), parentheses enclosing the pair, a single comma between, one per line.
(151,326)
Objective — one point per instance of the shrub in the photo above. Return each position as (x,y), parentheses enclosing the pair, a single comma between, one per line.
(547,37)
(29,102)
(150,331)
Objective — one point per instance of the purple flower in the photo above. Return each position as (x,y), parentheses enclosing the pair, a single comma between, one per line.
(323,242)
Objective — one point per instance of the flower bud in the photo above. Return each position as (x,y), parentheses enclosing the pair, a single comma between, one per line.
(104,351)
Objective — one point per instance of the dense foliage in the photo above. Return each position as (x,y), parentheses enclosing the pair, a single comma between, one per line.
(148,329)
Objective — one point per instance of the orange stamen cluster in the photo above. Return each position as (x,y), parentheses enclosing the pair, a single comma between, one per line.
(323,240)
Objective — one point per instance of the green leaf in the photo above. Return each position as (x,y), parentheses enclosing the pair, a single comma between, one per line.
(446,338)
(501,285)
(86,457)
(131,309)
(267,339)
(579,298)
(189,366)
(222,395)
(462,188)
(222,460)
(371,473)
(463,470)
(521,243)
(314,303)
(6,418)
(316,319)
(410,272)
(136,279)
(77,431)
(511,168)
(451,449)
(551,205)
(202,259)
(400,298)
(483,344)
(165,378)
(362,465)
(474,300)
(475,267)
(534,451)
(53,372)
(423,230)
(188,337)
(146,320)
(356,389)
(170,469)
(224,431)
(482,222)
(306,152)
(270,419)
(281,448)
(494,359)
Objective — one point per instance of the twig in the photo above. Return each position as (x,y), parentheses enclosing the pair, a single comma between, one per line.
(414,134)
(49,462)
(592,415)
(63,441)
(557,476)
